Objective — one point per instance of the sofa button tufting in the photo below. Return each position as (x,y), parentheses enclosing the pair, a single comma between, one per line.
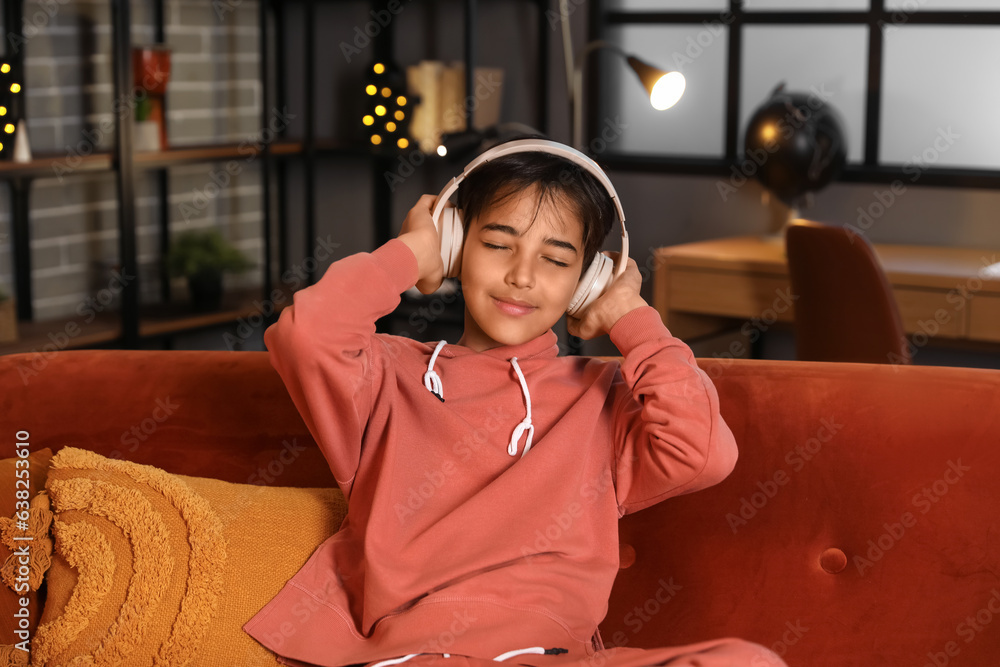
(626,556)
(833,560)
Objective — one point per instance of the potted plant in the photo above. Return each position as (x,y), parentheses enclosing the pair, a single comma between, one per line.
(8,318)
(202,256)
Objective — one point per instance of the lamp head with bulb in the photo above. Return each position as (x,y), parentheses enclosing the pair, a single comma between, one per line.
(665,88)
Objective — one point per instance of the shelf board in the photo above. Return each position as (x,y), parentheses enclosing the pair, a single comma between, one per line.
(155,321)
(49,165)
(55,165)
(171,318)
(195,154)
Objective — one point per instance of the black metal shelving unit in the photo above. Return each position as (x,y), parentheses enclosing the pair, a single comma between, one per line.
(128,328)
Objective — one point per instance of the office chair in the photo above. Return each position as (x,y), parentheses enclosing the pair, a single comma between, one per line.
(846,310)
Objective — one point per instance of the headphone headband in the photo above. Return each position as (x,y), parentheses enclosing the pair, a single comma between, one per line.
(540,146)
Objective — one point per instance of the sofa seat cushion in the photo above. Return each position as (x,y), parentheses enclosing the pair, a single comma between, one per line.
(150,565)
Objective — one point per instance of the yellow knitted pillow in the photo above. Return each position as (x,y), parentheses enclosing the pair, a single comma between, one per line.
(161,569)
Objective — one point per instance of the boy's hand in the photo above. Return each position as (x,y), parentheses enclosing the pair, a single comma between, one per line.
(622,297)
(420,234)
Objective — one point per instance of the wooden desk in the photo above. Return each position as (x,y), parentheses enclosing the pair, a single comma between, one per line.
(700,288)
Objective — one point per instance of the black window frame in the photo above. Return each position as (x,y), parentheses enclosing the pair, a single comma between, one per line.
(735,18)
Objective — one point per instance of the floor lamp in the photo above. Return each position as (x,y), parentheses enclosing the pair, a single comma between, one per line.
(664,88)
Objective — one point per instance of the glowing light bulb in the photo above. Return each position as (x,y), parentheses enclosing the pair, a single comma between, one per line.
(15,87)
(379,68)
(9,128)
(442,151)
(371,89)
(401,101)
(4,68)
(368,120)
(402,142)
(390,126)
(386,92)
(667,91)
(376,139)
(380,110)
(3,111)
(768,132)
(399,115)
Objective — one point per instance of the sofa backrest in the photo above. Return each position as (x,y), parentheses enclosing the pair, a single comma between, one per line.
(860,525)
(208,414)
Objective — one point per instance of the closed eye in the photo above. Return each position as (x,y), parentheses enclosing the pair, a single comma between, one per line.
(493,246)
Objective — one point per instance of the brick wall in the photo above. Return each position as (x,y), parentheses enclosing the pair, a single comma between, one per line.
(214,97)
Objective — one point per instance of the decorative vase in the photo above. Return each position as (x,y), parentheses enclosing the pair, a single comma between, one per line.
(206,291)
(151,73)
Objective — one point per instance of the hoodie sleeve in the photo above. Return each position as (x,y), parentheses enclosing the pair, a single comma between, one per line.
(670,438)
(322,348)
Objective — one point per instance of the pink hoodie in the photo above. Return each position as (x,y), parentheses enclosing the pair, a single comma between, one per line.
(459,538)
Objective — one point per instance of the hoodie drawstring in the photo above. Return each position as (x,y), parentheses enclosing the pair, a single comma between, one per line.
(525,424)
(538,650)
(432,381)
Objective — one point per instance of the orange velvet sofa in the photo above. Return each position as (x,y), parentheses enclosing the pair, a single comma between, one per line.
(860,526)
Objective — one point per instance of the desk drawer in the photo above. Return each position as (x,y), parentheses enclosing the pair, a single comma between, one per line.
(984,318)
(939,316)
(745,295)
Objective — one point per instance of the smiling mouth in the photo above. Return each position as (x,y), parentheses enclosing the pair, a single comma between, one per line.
(511,308)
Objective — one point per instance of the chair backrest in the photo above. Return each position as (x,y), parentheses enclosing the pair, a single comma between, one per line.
(845,310)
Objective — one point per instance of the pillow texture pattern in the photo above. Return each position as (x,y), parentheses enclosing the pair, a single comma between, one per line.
(162,569)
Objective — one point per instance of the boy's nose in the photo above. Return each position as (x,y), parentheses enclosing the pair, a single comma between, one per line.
(521,273)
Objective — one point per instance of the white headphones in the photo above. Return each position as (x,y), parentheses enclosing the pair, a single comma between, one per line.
(448,219)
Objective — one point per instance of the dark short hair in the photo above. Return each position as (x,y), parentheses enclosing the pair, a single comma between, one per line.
(556,179)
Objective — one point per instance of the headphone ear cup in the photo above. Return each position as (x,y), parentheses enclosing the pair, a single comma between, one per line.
(594,282)
(451,241)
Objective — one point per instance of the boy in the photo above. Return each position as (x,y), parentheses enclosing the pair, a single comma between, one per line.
(461,463)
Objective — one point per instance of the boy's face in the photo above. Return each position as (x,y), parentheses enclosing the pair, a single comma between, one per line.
(518,276)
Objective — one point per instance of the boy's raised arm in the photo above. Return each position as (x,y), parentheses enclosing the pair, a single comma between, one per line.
(670,438)
(321,347)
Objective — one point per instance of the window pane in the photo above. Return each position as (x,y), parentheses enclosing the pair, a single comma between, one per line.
(941,5)
(940,96)
(830,62)
(695,126)
(808,5)
(675,6)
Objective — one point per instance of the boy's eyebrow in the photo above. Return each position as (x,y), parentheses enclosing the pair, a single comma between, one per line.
(507,229)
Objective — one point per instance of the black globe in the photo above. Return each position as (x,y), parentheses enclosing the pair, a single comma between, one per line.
(797,142)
